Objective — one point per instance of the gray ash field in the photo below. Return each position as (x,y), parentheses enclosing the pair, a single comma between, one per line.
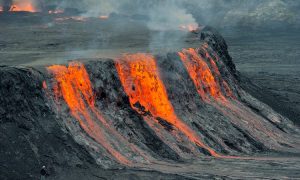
(119,101)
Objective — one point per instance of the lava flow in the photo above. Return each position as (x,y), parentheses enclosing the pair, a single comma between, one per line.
(201,74)
(141,80)
(24,5)
(103,17)
(73,84)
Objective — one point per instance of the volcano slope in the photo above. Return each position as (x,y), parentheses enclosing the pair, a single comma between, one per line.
(179,115)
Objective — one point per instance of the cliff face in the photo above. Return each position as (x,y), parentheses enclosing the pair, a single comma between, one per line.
(133,112)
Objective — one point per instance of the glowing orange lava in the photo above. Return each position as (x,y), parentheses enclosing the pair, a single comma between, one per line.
(141,80)
(189,27)
(25,5)
(201,74)
(72,83)
(103,17)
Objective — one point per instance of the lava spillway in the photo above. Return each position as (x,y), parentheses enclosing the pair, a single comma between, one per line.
(141,80)
(73,84)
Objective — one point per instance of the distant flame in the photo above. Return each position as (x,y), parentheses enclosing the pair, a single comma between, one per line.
(103,17)
(24,5)
(73,84)
(189,27)
(141,80)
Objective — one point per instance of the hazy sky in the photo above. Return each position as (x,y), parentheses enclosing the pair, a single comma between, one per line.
(267,13)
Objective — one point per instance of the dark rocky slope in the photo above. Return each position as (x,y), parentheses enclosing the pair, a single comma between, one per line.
(39,126)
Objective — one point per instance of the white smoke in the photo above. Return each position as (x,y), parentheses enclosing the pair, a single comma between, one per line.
(170,15)
(96,8)
(163,15)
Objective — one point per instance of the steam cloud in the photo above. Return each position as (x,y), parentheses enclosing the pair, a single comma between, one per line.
(163,15)
(168,14)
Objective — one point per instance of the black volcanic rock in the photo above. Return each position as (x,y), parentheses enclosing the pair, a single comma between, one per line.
(31,134)
(219,45)
(38,127)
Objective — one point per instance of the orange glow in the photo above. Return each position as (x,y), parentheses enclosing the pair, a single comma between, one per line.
(103,17)
(189,27)
(201,74)
(1,8)
(141,80)
(45,85)
(72,83)
(57,11)
(24,5)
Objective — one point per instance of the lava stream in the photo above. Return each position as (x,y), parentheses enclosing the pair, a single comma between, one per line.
(74,85)
(141,80)
(201,74)
(24,5)
(209,82)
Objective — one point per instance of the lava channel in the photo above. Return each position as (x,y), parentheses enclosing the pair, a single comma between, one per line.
(141,80)
(203,78)
(73,84)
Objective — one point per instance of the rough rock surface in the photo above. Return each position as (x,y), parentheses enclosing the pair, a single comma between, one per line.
(38,128)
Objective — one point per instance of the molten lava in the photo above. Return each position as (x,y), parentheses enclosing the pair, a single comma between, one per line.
(201,74)
(24,5)
(103,17)
(189,27)
(141,80)
(74,86)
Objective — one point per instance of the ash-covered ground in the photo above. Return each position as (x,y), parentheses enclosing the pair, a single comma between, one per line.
(243,138)
(271,60)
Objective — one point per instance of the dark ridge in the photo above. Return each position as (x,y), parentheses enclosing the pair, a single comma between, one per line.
(28,124)
(259,147)
(232,145)
(142,109)
(204,151)
(165,124)
(218,43)
(271,99)
(265,117)
(212,142)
